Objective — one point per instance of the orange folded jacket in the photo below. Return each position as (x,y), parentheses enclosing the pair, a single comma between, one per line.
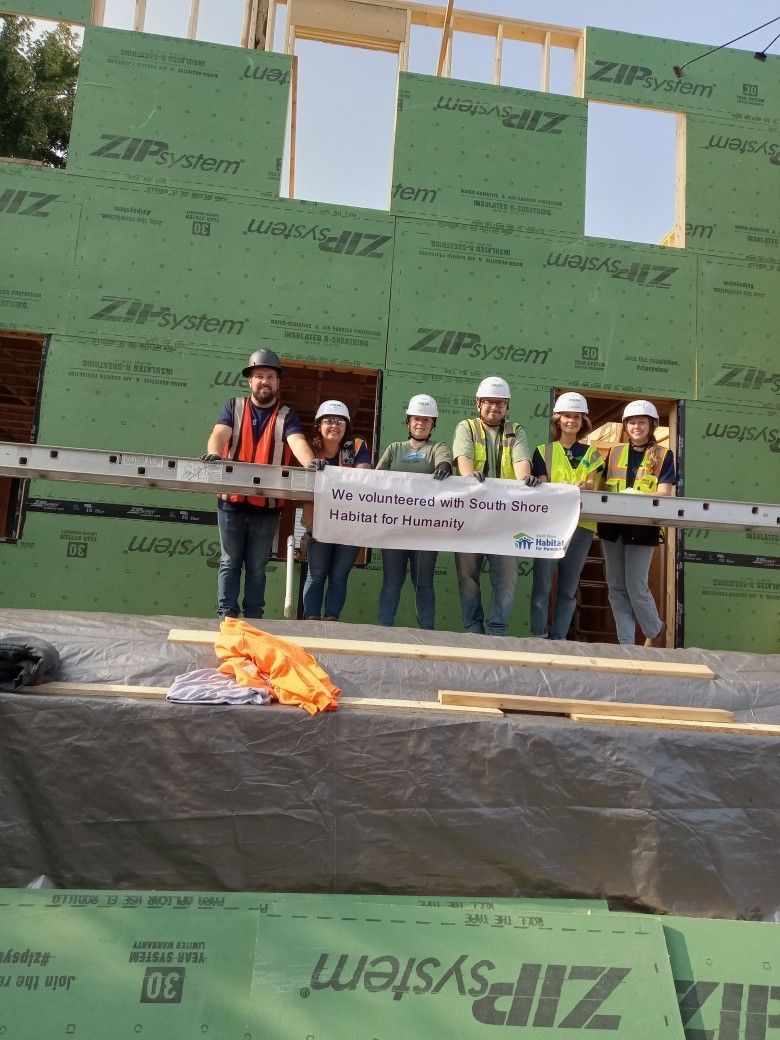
(255,658)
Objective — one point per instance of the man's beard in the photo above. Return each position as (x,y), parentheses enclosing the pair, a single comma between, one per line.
(264,396)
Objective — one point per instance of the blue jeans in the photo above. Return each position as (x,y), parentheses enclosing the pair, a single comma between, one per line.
(569,570)
(247,541)
(422,565)
(331,563)
(630,597)
(503,579)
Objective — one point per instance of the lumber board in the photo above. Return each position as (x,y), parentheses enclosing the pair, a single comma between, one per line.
(77,689)
(465,655)
(755,729)
(571,705)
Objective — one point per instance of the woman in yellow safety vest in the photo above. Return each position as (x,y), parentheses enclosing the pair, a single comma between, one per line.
(639,466)
(565,459)
(335,444)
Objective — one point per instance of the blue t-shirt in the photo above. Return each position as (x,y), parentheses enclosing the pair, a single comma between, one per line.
(260,417)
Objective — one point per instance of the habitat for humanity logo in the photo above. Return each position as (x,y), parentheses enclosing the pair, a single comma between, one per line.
(140,312)
(351,243)
(628,75)
(524,541)
(143,149)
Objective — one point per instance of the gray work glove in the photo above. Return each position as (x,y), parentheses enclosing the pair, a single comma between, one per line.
(210,456)
(442,471)
(479,476)
(317,465)
(531,481)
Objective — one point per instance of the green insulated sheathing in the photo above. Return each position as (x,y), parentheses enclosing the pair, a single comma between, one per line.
(167,266)
(639,70)
(731,580)
(732,190)
(158,110)
(737,348)
(596,313)
(470,151)
(39,220)
(79,11)
(274,967)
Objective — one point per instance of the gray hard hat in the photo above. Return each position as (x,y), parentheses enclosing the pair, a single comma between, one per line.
(263,358)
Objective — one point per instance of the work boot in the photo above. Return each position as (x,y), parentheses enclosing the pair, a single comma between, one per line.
(330,617)
(312,617)
(658,640)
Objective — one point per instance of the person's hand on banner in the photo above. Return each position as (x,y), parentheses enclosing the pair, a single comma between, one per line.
(442,471)
(479,477)
(531,481)
(211,457)
(317,465)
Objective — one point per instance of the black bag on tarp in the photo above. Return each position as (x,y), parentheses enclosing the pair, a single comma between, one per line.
(25,661)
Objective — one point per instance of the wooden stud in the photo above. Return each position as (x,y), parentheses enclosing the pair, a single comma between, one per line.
(499,54)
(98,12)
(578,82)
(754,729)
(544,79)
(270,25)
(422,652)
(293,123)
(446,39)
(680,178)
(139,17)
(192,21)
(572,706)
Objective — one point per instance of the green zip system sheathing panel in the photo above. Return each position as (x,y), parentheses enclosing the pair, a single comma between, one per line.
(159,110)
(737,309)
(470,151)
(733,190)
(168,266)
(79,11)
(39,221)
(731,580)
(587,311)
(334,967)
(639,70)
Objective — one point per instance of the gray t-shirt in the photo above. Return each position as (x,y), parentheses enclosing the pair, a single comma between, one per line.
(403,457)
(463,444)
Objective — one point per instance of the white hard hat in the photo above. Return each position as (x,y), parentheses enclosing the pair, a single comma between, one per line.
(337,408)
(571,402)
(494,386)
(637,408)
(423,404)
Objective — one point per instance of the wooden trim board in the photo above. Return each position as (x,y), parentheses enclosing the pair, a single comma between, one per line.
(583,708)
(157,693)
(418,651)
(755,729)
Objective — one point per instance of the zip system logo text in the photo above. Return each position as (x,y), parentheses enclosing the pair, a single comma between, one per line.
(454,342)
(536,120)
(654,276)
(350,243)
(141,149)
(627,75)
(140,312)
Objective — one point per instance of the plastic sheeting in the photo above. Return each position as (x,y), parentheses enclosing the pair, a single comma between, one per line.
(106,793)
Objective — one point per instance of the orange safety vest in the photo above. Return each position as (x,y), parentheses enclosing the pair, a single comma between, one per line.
(271,448)
(258,659)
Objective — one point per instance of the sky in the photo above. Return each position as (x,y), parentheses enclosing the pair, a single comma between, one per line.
(346,97)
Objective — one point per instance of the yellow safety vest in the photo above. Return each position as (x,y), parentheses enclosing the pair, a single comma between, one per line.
(646,479)
(480,448)
(561,471)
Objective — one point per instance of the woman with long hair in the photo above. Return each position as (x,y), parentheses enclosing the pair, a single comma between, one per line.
(638,466)
(334,442)
(564,459)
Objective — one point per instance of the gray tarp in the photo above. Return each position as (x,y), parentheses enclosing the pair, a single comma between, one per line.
(106,793)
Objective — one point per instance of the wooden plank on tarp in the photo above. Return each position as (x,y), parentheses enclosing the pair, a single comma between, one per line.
(754,729)
(468,655)
(584,708)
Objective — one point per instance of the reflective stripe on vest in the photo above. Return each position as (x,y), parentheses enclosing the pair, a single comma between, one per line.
(561,471)
(271,448)
(480,448)
(646,478)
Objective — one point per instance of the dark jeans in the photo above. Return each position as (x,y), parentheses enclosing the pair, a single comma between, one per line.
(422,565)
(247,541)
(331,563)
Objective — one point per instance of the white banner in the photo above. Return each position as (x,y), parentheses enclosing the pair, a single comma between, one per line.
(384,510)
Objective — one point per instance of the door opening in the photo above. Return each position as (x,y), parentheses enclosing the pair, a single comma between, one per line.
(21,356)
